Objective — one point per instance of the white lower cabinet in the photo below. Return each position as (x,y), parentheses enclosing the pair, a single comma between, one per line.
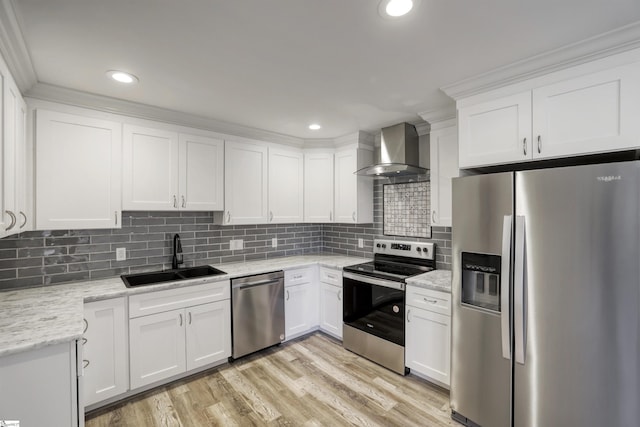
(195,333)
(40,387)
(104,353)
(331,301)
(208,331)
(428,334)
(300,302)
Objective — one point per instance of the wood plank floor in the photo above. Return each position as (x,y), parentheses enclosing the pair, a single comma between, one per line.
(312,381)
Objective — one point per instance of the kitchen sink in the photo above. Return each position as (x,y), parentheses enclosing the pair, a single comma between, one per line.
(143,279)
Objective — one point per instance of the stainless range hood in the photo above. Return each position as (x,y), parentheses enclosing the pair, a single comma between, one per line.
(398,154)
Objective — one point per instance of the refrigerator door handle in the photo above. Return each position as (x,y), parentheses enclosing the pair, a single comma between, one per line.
(518,291)
(504,286)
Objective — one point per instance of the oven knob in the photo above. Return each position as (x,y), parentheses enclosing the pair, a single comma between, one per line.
(418,249)
(384,246)
(425,250)
(378,245)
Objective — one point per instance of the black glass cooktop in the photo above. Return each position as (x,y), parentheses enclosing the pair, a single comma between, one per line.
(388,270)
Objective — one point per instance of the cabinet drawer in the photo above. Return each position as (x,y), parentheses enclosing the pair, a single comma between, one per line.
(298,276)
(434,301)
(171,299)
(329,275)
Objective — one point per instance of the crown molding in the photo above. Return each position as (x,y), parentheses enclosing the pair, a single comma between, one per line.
(360,138)
(107,104)
(423,128)
(14,49)
(616,41)
(439,114)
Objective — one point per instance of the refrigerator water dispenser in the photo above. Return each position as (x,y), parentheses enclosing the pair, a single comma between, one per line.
(481,281)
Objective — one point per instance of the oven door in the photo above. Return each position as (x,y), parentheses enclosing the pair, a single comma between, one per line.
(375,306)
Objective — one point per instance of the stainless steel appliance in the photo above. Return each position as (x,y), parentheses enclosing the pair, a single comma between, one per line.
(374,298)
(546,295)
(257,312)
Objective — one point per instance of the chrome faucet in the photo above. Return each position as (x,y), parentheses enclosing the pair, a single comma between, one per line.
(177,252)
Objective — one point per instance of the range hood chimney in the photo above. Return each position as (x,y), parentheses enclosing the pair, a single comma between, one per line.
(398,154)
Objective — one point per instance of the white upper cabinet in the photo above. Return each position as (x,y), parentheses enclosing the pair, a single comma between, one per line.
(353,194)
(167,170)
(245,183)
(150,164)
(286,187)
(201,173)
(594,112)
(318,186)
(14,217)
(496,131)
(444,167)
(77,173)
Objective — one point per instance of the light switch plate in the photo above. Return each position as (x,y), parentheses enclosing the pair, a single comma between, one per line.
(274,242)
(360,243)
(121,254)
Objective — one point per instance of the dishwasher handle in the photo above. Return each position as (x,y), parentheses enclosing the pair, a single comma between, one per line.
(242,286)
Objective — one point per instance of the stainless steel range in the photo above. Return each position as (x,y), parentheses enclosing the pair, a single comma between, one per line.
(374,298)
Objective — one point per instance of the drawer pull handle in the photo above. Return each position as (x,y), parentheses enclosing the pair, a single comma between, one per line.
(287,294)
(431,301)
(86,325)
(189,317)
(13,220)
(339,294)
(408,320)
(524,146)
(25,219)
(85,363)
(84,341)
(180,319)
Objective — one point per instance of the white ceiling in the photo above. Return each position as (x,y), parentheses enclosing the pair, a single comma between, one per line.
(279,65)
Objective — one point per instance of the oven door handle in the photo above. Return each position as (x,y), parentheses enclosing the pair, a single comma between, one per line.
(374,281)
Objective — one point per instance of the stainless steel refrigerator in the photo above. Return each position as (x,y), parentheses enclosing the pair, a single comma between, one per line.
(546,297)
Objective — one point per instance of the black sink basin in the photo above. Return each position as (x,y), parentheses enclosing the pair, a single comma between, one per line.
(205,270)
(143,279)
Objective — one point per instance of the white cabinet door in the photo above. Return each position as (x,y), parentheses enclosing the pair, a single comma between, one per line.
(318,187)
(13,217)
(208,333)
(353,194)
(245,183)
(150,162)
(444,167)
(78,182)
(300,304)
(428,344)
(286,188)
(331,309)
(495,132)
(105,352)
(590,114)
(39,387)
(201,173)
(157,347)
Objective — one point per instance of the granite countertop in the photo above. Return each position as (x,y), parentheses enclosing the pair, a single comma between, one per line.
(437,280)
(36,317)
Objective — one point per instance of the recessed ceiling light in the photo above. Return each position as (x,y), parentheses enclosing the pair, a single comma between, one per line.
(122,77)
(395,8)
(314,126)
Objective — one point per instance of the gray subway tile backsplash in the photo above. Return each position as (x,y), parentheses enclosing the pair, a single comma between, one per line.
(39,258)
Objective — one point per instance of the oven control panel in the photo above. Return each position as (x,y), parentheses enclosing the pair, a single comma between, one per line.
(404,248)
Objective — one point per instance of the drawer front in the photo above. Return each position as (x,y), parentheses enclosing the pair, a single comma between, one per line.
(434,301)
(298,276)
(329,275)
(171,299)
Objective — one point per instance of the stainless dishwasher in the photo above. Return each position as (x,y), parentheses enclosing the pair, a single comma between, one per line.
(257,312)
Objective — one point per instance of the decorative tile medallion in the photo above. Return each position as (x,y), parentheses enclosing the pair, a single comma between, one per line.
(406,209)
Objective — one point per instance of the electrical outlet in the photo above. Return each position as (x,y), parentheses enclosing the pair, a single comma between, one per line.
(360,243)
(239,244)
(274,242)
(232,245)
(121,254)
(236,244)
